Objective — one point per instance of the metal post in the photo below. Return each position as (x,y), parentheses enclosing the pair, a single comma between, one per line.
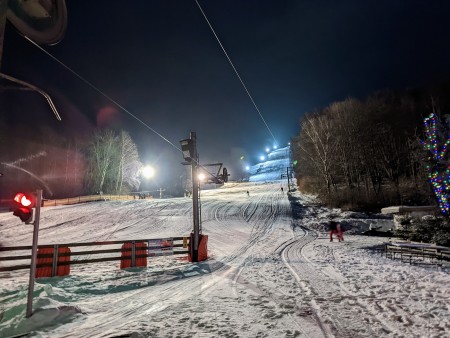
(133,254)
(55,260)
(34,253)
(195,212)
(289,184)
(3,7)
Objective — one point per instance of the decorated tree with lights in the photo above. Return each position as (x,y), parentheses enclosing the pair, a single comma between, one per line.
(437,140)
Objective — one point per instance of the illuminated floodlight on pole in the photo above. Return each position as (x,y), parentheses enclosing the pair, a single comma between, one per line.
(201,176)
(148,171)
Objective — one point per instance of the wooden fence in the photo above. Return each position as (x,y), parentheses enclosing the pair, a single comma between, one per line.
(129,251)
(91,198)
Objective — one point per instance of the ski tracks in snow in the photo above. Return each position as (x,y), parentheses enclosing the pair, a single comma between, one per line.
(336,312)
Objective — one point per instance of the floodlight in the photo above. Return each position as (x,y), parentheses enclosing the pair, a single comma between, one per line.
(148,171)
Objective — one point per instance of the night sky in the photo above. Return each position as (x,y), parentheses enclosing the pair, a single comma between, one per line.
(160,60)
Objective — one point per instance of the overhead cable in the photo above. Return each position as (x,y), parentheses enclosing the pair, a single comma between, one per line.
(103,94)
(112,100)
(235,70)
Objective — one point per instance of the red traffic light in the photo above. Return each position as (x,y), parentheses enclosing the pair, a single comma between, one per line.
(25,200)
(24,207)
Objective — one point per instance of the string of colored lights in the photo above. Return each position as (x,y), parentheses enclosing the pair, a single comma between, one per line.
(438,168)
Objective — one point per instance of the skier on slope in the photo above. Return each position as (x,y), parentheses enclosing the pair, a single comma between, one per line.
(335,228)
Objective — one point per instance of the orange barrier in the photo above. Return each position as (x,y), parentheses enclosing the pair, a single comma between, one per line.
(56,269)
(155,248)
(140,249)
(202,248)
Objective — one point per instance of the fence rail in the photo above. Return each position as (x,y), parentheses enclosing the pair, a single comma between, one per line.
(153,248)
(91,198)
(415,253)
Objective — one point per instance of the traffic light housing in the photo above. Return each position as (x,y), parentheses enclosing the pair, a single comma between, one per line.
(187,147)
(23,206)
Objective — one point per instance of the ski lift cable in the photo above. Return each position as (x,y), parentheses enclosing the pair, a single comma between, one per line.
(103,94)
(235,70)
(113,101)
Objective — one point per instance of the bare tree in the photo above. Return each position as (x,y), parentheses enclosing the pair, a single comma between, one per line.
(128,164)
(353,150)
(100,155)
(317,146)
(113,163)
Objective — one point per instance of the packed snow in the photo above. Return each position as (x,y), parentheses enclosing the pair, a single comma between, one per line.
(272,272)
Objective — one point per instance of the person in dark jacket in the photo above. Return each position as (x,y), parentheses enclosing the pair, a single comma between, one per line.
(335,228)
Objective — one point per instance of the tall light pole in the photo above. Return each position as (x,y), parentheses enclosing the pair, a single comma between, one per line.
(189,149)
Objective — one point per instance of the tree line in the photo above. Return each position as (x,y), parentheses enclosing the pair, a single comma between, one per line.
(105,161)
(112,163)
(367,154)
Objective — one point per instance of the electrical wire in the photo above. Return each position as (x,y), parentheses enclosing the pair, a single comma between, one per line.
(113,101)
(235,70)
(103,94)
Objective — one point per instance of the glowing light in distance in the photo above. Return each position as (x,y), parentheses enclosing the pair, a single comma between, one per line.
(262,157)
(267,149)
(242,157)
(275,147)
(201,176)
(148,171)
(247,167)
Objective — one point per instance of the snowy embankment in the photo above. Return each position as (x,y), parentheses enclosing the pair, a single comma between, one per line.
(272,272)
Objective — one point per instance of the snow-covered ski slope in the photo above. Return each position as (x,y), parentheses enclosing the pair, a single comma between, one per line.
(273,168)
(269,274)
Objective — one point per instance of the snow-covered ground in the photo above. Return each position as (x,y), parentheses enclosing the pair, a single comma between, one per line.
(272,272)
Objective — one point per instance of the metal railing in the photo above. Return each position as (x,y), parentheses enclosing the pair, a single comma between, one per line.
(166,247)
(417,253)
